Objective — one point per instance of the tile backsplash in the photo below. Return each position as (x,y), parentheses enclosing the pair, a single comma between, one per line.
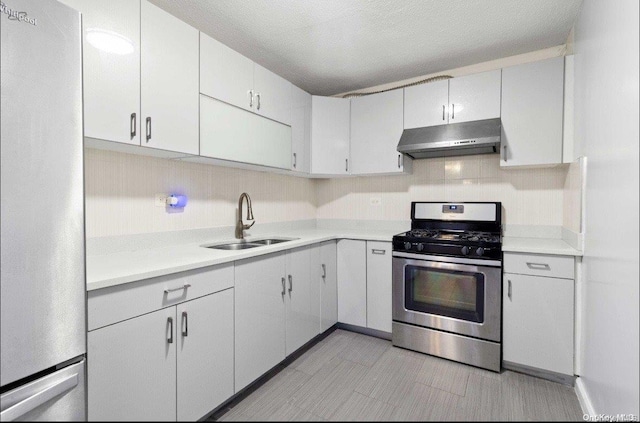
(120,190)
(529,196)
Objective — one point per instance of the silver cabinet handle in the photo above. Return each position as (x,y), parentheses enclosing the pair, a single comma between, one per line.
(132,125)
(148,128)
(170,322)
(377,251)
(258,97)
(443,107)
(453,111)
(185,286)
(399,159)
(250,92)
(37,396)
(509,289)
(346,165)
(295,160)
(290,283)
(504,149)
(538,266)
(283,287)
(185,324)
(324,271)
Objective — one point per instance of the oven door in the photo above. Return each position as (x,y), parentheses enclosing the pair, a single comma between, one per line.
(462,297)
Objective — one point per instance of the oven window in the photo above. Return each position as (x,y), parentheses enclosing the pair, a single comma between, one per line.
(445,292)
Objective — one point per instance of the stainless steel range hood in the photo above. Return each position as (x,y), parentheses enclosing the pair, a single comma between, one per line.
(454,139)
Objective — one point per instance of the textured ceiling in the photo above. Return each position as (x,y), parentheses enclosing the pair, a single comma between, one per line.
(332,46)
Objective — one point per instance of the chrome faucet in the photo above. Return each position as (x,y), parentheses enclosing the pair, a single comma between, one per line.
(240,226)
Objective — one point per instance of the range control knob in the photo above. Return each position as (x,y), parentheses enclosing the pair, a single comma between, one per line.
(407,245)
(480,251)
(420,247)
(465,250)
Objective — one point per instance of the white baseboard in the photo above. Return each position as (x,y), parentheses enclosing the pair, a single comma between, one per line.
(583,398)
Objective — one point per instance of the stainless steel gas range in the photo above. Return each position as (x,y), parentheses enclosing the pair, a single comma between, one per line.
(447,283)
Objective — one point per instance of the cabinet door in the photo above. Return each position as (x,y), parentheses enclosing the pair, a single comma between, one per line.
(205,354)
(260,324)
(352,282)
(329,285)
(230,133)
(300,129)
(532,113)
(225,74)
(538,322)
(111,69)
(272,95)
(376,128)
(330,124)
(475,97)
(379,286)
(426,105)
(302,298)
(132,369)
(169,84)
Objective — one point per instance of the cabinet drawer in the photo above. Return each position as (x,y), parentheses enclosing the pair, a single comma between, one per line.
(539,265)
(114,304)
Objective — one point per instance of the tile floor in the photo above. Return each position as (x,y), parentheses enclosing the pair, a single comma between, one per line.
(349,376)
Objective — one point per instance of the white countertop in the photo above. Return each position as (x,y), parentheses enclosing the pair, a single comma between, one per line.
(129,266)
(553,246)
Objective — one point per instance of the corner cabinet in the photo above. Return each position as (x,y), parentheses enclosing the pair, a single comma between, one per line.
(166,352)
(538,313)
(532,113)
(330,129)
(376,128)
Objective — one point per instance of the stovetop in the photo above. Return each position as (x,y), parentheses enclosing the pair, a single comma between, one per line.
(472,244)
(430,235)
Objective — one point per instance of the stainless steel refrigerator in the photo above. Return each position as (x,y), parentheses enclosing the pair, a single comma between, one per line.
(43,293)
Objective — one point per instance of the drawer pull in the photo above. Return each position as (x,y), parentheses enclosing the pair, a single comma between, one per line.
(538,266)
(185,286)
(377,251)
(509,289)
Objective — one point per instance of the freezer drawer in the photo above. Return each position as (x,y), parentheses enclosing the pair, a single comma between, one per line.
(57,396)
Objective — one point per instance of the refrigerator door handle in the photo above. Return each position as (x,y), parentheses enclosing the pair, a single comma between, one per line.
(38,396)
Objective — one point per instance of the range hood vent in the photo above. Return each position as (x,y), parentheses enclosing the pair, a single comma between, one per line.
(454,139)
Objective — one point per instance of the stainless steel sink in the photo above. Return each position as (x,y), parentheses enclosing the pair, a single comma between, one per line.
(244,244)
(270,241)
(233,246)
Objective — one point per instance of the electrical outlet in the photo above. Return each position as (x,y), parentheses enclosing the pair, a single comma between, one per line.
(375,201)
(161,200)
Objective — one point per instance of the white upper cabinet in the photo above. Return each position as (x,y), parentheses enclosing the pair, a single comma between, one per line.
(300,129)
(272,95)
(111,69)
(475,97)
(225,74)
(229,76)
(169,83)
(532,113)
(426,105)
(330,127)
(376,128)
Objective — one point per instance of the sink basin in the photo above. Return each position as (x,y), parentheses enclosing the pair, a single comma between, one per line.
(234,246)
(271,241)
(244,244)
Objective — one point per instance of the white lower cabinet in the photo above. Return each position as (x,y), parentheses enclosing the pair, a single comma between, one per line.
(139,367)
(205,354)
(352,282)
(329,285)
(538,320)
(379,286)
(364,284)
(277,310)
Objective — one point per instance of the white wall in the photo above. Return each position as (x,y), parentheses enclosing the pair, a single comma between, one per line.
(606,124)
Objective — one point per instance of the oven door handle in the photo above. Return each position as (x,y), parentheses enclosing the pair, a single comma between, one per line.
(452,260)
